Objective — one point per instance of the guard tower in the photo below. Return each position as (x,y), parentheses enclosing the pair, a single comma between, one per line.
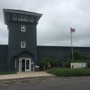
(22,42)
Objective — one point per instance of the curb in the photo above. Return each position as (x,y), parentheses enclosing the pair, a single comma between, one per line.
(23,78)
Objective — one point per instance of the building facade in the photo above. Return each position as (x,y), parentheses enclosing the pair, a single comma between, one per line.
(22,52)
(22,45)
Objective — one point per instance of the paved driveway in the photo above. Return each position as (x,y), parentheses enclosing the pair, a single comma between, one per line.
(47,83)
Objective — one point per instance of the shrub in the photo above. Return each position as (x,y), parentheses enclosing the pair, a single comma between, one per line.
(88,63)
(67,63)
(59,63)
(53,63)
(69,72)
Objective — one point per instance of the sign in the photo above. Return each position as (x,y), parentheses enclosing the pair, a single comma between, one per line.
(79,65)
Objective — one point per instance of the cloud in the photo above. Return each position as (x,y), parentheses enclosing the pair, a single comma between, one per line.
(54,26)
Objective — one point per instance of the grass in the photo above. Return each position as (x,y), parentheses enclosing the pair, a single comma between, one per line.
(5,73)
(70,72)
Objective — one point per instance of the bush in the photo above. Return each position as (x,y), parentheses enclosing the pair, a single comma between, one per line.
(59,63)
(69,72)
(67,63)
(53,63)
(88,63)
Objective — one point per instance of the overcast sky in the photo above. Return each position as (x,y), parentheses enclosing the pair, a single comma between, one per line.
(53,28)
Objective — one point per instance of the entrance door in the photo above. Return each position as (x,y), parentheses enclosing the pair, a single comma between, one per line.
(27,65)
(23,64)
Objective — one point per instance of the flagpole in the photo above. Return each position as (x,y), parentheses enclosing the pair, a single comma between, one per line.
(71,45)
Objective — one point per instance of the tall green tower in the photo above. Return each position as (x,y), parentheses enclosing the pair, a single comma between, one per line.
(22,41)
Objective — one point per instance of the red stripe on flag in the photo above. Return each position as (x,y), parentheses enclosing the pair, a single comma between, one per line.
(72,30)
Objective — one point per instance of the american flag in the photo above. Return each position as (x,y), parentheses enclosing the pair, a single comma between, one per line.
(72,30)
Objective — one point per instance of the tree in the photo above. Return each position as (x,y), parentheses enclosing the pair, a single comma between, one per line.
(76,55)
(83,57)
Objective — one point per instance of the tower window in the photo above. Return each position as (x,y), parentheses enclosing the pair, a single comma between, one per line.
(14,17)
(23,18)
(31,19)
(23,44)
(23,28)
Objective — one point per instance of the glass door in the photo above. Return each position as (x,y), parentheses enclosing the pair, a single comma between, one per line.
(27,65)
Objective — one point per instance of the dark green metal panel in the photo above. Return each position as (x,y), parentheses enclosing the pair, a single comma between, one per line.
(15,38)
(3,57)
(58,52)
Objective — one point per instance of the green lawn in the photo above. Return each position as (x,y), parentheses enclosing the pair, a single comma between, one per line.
(69,72)
(5,73)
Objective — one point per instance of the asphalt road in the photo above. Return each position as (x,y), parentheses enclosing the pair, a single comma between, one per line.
(47,83)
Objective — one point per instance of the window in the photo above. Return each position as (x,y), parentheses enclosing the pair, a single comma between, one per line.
(23,44)
(14,17)
(31,19)
(8,17)
(23,28)
(23,18)
(19,18)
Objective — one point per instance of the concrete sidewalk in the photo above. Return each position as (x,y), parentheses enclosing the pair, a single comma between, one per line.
(24,75)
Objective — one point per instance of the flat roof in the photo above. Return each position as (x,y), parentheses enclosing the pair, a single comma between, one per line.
(38,15)
(22,12)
